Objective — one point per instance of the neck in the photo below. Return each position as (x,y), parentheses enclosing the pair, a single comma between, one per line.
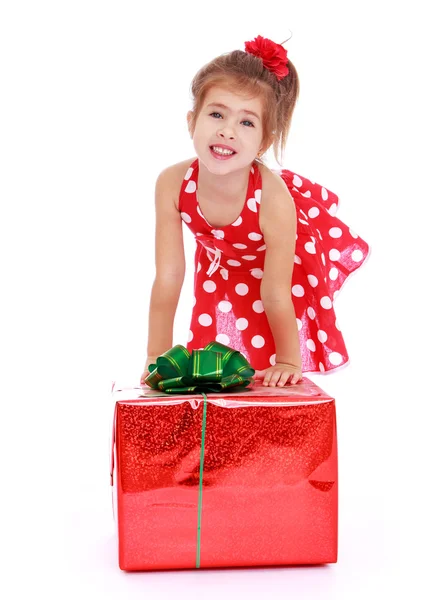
(230,184)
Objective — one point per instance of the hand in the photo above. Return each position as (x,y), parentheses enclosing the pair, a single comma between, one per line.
(279,375)
(150,360)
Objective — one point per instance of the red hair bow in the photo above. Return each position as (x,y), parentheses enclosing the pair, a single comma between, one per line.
(274,56)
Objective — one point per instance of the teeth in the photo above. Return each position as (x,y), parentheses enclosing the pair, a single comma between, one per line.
(221,150)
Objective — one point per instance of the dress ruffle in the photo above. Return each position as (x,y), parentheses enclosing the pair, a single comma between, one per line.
(326,253)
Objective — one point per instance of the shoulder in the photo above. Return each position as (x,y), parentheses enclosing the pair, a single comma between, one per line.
(277,203)
(170,179)
(272,183)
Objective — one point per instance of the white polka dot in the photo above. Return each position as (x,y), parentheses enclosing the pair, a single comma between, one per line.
(234,263)
(198,267)
(335,358)
(218,233)
(321,367)
(257,273)
(258,195)
(222,338)
(254,236)
(200,213)
(258,341)
(225,306)
(326,302)
(237,222)
(333,273)
(335,232)
(251,203)
(311,313)
(240,246)
(186,217)
(189,173)
(311,345)
(258,306)
(335,293)
(224,274)
(324,193)
(272,359)
(312,280)
(209,286)
(322,336)
(205,319)
(241,324)
(261,248)
(249,257)
(298,290)
(191,187)
(190,336)
(241,289)
(299,324)
(313,212)
(303,213)
(297,181)
(357,255)
(307,194)
(303,222)
(319,233)
(353,234)
(323,259)
(297,260)
(310,247)
(333,209)
(337,326)
(334,254)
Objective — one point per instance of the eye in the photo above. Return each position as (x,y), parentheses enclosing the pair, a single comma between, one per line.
(214,113)
(252,125)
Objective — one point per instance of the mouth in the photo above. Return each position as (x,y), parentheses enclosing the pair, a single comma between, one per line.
(221,153)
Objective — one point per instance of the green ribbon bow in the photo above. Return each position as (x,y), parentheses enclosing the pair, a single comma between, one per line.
(214,369)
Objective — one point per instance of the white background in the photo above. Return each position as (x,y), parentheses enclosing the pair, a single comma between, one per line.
(92,107)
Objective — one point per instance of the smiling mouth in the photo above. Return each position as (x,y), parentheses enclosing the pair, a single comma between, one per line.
(222,151)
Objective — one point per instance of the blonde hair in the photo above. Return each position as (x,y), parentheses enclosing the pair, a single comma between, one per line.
(244,72)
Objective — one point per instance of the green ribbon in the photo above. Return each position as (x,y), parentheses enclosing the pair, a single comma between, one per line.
(215,369)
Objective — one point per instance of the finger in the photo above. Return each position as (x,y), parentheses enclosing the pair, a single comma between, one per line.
(295,378)
(275,377)
(284,378)
(268,375)
(259,374)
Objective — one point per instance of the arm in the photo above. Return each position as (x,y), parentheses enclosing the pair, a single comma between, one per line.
(279,231)
(170,265)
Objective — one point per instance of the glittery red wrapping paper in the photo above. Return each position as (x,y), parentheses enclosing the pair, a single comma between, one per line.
(270,483)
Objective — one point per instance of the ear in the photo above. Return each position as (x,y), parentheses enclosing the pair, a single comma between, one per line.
(189,118)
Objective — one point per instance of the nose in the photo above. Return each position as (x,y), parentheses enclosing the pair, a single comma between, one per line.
(226,132)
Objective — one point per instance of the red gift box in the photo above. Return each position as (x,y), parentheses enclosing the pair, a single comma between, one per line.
(236,479)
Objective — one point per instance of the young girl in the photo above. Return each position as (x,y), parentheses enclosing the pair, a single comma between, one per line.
(271,256)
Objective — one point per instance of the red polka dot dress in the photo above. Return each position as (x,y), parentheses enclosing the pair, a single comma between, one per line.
(229,265)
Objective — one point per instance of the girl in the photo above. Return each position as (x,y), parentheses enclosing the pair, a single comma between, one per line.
(271,255)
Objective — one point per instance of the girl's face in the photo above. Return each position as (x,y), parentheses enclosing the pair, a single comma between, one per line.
(227,121)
